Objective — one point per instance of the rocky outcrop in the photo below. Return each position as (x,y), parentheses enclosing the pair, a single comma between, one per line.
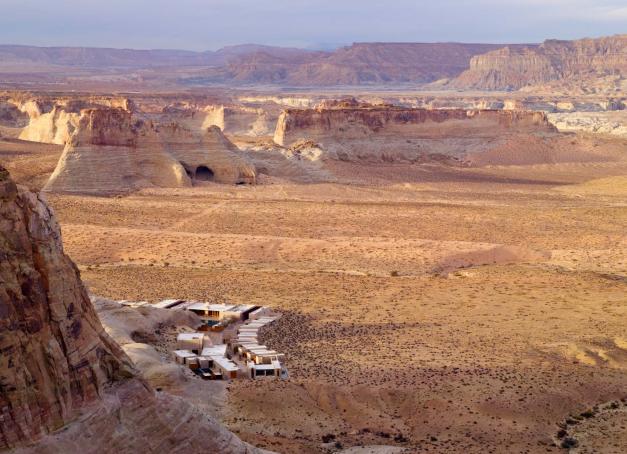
(232,119)
(387,133)
(512,68)
(208,156)
(384,63)
(56,357)
(131,419)
(12,120)
(59,369)
(105,155)
(112,150)
(54,119)
(610,123)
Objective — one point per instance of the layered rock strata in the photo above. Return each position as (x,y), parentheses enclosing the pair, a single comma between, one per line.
(56,356)
(511,68)
(112,151)
(349,131)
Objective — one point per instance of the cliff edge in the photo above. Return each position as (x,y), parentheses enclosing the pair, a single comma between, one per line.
(59,369)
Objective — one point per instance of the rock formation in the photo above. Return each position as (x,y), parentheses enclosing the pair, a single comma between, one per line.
(208,156)
(12,120)
(353,131)
(60,370)
(112,150)
(56,356)
(54,119)
(611,123)
(240,119)
(511,68)
(595,64)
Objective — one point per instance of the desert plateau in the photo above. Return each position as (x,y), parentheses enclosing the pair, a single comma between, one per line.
(382,247)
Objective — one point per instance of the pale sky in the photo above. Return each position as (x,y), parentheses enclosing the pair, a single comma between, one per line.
(211,24)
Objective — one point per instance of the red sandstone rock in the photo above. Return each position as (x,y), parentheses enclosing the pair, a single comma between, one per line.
(515,67)
(56,356)
(59,368)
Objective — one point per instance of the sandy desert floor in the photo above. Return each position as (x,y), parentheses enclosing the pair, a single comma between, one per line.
(447,310)
(467,310)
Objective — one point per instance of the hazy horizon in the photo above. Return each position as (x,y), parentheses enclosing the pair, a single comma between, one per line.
(198,25)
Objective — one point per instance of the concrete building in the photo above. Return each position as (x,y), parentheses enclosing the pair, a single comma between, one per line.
(215,313)
(194,342)
(242,356)
(264,370)
(168,304)
(259,360)
(184,357)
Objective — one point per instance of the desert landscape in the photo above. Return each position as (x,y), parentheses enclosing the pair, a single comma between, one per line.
(442,229)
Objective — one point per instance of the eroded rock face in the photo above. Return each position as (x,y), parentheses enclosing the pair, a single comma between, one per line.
(512,68)
(130,419)
(56,356)
(54,120)
(350,132)
(112,151)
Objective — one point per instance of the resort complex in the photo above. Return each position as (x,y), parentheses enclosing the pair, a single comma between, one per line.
(226,344)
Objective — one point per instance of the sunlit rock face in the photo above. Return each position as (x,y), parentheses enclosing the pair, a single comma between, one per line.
(351,131)
(56,356)
(514,67)
(112,150)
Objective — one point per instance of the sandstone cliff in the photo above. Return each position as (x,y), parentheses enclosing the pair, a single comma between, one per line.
(112,150)
(511,68)
(60,370)
(54,119)
(348,131)
(56,356)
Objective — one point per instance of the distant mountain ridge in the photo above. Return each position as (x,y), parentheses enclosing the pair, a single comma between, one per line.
(358,64)
(96,57)
(585,63)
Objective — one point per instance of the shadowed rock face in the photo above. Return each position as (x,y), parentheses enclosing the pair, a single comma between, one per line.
(516,67)
(59,368)
(56,356)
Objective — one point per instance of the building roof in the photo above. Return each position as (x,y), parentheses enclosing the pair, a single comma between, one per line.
(203,306)
(265,366)
(225,363)
(241,308)
(184,354)
(215,350)
(168,303)
(190,336)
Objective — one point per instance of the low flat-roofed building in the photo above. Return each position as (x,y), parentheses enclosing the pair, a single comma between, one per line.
(228,368)
(264,370)
(215,350)
(257,313)
(168,303)
(205,362)
(190,341)
(218,312)
(214,361)
(134,304)
(181,356)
